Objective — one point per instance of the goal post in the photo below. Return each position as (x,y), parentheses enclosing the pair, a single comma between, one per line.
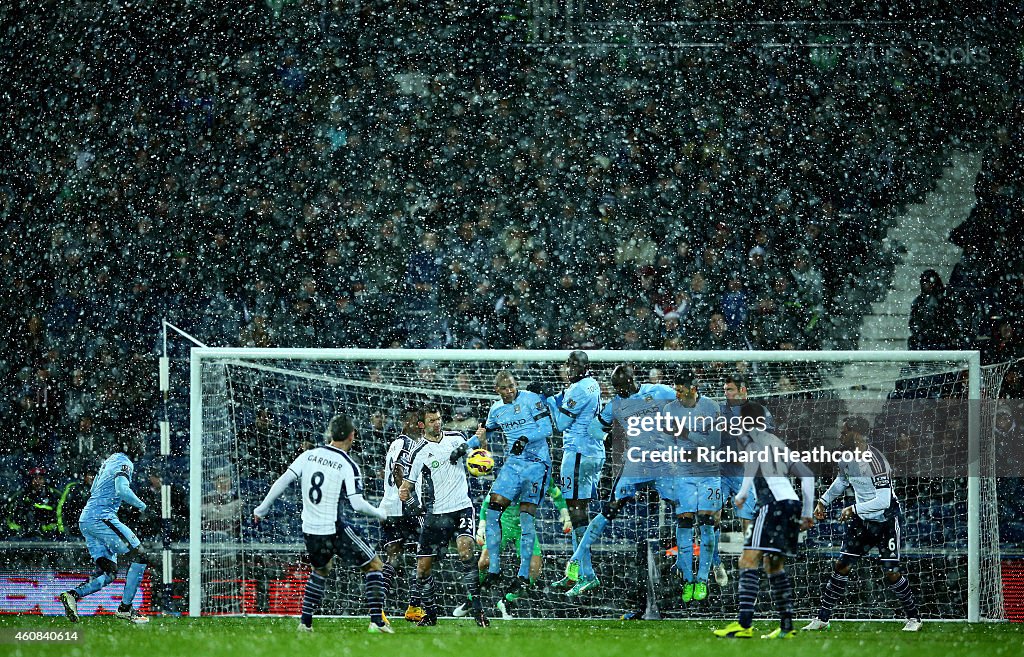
(974,488)
(230,386)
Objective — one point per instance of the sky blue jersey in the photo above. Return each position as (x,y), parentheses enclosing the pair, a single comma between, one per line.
(104,500)
(701,419)
(525,416)
(646,402)
(574,411)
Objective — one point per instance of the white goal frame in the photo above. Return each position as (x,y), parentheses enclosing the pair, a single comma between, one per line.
(201,355)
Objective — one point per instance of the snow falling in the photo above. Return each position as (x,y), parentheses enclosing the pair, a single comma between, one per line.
(642,175)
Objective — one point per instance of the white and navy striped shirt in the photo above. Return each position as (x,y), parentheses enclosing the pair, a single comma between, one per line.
(329,477)
(871,482)
(770,479)
(441,485)
(398,454)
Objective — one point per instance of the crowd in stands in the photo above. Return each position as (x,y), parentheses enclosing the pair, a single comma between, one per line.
(782,10)
(317,174)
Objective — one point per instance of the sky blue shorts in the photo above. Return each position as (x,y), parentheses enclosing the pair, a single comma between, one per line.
(730,487)
(522,481)
(580,475)
(107,537)
(700,494)
(667,487)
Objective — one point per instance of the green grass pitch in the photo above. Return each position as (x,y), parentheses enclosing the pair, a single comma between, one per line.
(276,637)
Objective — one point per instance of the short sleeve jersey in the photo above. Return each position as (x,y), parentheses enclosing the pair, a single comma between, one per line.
(441,485)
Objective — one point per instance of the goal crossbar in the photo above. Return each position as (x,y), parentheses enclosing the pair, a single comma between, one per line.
(599,355)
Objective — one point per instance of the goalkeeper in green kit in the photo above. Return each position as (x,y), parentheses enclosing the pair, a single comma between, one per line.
(511,534)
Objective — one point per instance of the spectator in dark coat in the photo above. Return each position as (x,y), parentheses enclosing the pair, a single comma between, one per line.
(931,315)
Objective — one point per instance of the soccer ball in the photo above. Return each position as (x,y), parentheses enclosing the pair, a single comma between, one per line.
(479,462)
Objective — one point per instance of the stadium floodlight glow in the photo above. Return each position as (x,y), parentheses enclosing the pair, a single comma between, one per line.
(297,389)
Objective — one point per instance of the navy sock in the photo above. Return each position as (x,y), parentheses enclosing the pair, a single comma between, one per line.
(906,595)
(782,595)
(750,584)
(831,595)
(471,580)
(427,592)
(312,597)
(415,599)
(375,593)
(390,574)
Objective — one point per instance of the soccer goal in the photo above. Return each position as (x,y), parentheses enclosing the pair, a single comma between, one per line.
(253,410)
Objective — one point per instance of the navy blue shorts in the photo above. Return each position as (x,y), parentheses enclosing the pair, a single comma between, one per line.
(346,543)
(401,529)
(862,536)
(441,529)
(776,528)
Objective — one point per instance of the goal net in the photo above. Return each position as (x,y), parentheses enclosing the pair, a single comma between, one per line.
(253,411)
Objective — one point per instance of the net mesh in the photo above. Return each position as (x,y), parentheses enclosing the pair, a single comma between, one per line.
(258,415)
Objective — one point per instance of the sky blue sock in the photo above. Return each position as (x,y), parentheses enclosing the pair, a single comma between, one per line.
(493,540)
(716,559)
(708,546)
(684,557)
(526,540)
(586,565)
(131,582)
(93,585)
(577,536)
(582,554)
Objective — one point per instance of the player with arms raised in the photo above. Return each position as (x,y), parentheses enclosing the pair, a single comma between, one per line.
(106,536)
(573,412)
(523,417)
(631,401)
(438,473)
(773,536)
(874,522)
(329,477)
(699,487)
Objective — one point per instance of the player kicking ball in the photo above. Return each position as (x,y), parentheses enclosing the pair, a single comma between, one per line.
(874,522)
(106,536)
(773,535)
(330,478)
(438,473)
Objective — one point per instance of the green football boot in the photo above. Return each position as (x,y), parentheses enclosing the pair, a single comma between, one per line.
(582,586)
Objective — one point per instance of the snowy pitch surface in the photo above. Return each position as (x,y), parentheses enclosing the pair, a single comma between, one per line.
(276,637)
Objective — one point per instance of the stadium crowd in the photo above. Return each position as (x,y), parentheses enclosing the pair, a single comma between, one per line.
(312,174)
